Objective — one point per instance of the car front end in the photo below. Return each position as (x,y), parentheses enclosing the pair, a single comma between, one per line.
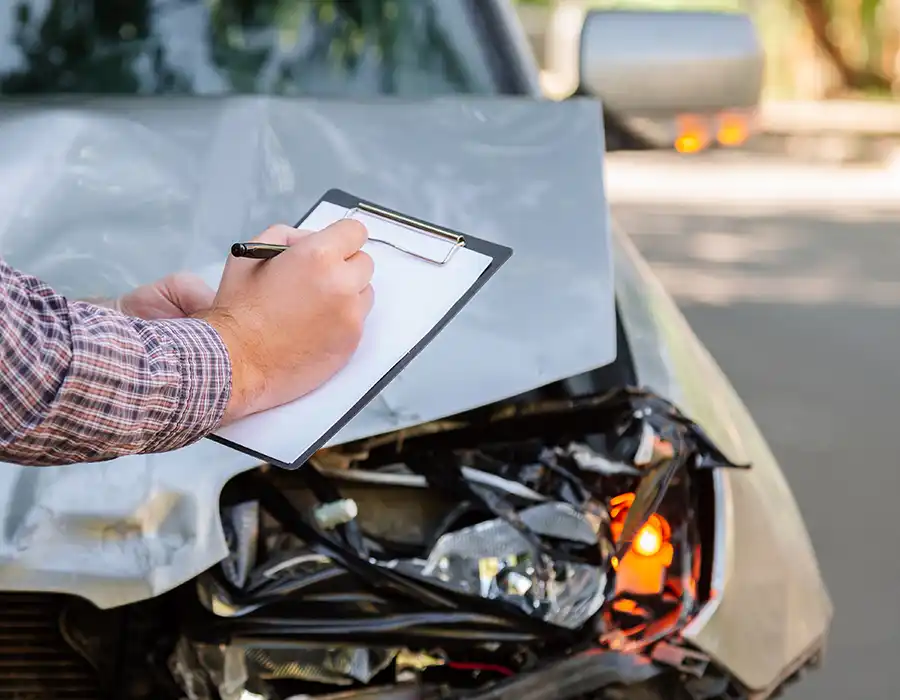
(562,497)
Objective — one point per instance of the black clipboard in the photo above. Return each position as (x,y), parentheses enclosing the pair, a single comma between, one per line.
(498,254)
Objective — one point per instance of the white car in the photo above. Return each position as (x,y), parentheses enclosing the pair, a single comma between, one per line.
(561,497)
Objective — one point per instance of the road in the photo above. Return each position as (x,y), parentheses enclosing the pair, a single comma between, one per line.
(790,275)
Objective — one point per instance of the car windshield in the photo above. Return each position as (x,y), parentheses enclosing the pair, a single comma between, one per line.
(339,48)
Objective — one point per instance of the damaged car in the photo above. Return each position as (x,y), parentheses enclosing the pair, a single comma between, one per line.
(561,497)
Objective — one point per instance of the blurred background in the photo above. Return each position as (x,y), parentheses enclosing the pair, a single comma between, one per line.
(815,48)
(783,255)
(832,68)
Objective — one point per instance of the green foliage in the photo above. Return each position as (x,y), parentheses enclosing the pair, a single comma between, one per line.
(274,46)
(670,5)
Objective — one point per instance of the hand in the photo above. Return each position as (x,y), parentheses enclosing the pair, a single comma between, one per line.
(175,296)
(291,322)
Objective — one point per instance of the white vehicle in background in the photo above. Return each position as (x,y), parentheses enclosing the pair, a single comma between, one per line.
(676,60)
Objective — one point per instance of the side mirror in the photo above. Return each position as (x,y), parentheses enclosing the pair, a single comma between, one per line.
(666,65)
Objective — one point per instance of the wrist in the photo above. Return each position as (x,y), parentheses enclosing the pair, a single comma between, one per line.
(193,373)
(247,382)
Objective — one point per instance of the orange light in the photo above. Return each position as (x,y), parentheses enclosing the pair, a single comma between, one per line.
(652,536)
(642,570)
(688,143)
(648,541)
(619,504)
(626,605)
(693,134)
(733,130)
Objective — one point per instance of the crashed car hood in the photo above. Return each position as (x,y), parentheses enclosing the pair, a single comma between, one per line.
(101,195)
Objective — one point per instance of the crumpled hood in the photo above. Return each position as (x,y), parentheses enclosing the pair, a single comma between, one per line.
(97,196)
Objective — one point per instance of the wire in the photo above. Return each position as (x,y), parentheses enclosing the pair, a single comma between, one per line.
(471,666)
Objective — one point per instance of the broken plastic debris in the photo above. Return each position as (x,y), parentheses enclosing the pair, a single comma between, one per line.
(407,659)
(644,453)
(186,669)
(494,560)
(330,515)
(234,674)
(241,527)
(592,461)
(339,666)
(514,582)
(232,667)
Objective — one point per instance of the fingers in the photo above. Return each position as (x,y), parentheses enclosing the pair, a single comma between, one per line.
(281,234)
(345,237)
(359,269)
(337,245)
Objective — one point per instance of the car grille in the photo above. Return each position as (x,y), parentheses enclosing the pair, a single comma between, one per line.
(36,663)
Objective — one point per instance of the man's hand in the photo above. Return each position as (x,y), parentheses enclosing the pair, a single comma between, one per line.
(293,321)
(175,296)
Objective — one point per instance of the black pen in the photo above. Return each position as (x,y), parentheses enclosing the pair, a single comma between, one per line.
(257,251)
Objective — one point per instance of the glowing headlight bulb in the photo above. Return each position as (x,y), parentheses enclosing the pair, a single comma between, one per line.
(643,568)
(648,541)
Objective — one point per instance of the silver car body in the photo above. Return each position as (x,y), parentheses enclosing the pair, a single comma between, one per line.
(97,195)
(102,195)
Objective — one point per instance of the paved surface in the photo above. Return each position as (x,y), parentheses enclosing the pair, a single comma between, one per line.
(836,116)
(830,131)
(791,276)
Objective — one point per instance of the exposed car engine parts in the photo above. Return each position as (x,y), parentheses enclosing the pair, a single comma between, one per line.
(531,550)
(528,550)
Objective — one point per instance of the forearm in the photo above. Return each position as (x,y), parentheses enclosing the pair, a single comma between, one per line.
(83,383)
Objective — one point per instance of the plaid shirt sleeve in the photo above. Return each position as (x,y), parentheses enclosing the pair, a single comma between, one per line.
(80,383)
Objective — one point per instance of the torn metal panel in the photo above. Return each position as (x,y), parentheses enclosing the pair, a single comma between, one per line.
(491,559)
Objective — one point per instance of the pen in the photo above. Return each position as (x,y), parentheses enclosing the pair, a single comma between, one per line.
(257,251)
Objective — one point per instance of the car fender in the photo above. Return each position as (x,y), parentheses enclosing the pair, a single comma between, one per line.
(770,610)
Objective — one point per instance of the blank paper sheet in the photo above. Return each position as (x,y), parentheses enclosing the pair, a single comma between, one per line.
(411,297)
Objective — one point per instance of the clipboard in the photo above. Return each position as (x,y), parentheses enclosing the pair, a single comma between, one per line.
(426,251)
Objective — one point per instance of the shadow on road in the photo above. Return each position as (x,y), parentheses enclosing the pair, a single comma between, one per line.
(847,257)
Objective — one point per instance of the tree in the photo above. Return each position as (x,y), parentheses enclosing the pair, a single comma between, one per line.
(857,73)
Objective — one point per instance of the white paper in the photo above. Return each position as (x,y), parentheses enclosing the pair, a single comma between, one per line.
(411,297)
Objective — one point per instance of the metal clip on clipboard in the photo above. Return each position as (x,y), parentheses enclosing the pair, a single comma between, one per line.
(453,240)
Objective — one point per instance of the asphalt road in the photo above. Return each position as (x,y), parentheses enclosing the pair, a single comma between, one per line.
(790,275)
